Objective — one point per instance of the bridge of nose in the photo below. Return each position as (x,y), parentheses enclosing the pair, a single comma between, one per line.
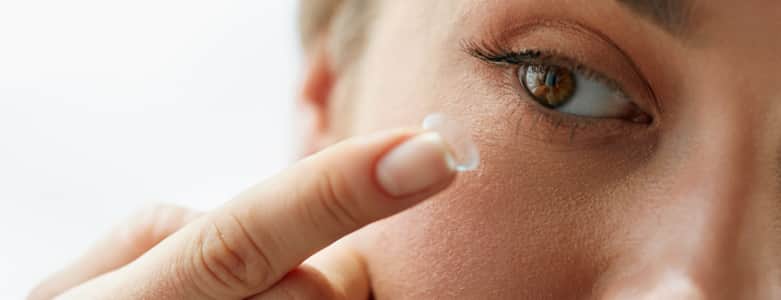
(710,236)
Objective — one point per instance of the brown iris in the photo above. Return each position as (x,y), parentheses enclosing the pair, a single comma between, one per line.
(550,86)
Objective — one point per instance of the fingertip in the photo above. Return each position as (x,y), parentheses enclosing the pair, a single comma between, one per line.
(419,164)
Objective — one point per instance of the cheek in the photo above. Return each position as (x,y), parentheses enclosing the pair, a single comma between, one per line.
(394,81)
(403,75)
(529,217)
(496,232)
(533,222)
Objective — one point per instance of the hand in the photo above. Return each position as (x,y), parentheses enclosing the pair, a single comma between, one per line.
(253,247)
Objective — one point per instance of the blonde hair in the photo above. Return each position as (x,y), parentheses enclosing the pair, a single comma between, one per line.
(344,22)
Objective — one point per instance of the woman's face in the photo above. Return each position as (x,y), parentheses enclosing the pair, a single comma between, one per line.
(658,178)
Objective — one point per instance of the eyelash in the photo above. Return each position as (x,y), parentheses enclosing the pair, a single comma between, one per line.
(495,55)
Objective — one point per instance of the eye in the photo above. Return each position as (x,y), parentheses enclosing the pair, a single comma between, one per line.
(573,92)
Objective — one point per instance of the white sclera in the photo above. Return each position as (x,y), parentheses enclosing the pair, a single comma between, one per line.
(458,137)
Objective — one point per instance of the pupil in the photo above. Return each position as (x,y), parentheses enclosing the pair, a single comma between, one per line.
(550,78)
(551,86)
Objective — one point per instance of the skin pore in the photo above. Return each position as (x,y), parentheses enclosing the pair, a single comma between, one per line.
(683,206)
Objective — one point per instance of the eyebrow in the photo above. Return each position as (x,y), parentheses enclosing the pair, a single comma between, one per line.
(671,15)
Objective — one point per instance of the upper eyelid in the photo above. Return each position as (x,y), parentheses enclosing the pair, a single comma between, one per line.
(496,40)
(501,56)
(555,130)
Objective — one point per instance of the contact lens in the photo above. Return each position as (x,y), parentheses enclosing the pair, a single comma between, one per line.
(466,156)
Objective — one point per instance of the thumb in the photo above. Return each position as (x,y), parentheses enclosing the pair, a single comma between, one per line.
(336,273)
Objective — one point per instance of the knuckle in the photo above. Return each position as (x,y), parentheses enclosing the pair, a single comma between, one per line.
(336,202)
(146,228)
(149,226)
(308,283)
(228,257)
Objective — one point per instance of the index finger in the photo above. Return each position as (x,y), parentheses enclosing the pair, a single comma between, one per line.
(249,244)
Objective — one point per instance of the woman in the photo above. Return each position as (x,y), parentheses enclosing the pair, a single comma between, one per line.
(630,150)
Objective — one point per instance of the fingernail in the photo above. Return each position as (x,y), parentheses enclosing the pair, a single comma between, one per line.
(419,163)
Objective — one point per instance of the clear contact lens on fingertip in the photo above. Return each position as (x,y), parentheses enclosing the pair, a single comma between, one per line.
(458,136)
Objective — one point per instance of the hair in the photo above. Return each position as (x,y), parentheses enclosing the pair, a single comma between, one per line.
(344,22)
(673,15)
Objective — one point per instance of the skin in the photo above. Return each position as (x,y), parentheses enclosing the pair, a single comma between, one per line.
(685,207)
(253,247)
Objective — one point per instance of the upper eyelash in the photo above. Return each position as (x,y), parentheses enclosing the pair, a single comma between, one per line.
(498,55)
(495,54)
(492,52)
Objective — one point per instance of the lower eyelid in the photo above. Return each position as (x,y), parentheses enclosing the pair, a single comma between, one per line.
(569,43)
(540,124)
(532,121)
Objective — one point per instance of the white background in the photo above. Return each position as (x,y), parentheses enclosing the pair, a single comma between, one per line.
(107,106)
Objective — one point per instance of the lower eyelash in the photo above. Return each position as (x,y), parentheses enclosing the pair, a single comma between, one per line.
(536,122)
(532,120)
(550,120)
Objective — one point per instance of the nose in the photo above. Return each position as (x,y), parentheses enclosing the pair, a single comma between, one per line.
(694,253)
(672,285)
(712,233)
